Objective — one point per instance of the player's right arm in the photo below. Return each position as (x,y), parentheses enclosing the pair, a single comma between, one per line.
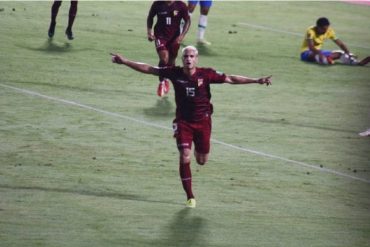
(310,35)
(312,47)
(314,50)
(141,67)
(149,23)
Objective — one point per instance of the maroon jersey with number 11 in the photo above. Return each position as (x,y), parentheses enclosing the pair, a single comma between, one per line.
(192,94)
(168,18)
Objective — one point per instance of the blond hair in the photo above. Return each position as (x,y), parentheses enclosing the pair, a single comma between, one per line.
(190,47)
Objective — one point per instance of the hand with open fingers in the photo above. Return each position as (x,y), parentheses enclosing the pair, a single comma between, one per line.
(265,80)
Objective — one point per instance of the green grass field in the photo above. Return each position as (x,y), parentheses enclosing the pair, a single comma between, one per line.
(87,156)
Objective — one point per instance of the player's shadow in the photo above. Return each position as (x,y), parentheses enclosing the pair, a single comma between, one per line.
(325,66)
(162,108)
(205,50)
(51,46)
(186,229)
(86,192)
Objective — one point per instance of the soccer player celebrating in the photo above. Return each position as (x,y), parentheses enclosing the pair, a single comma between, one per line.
(193,106)
(314,39)
(203,19)
(71,18)
(167,34)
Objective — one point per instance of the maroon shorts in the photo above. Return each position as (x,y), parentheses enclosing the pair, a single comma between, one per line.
(197,132)
(170,45)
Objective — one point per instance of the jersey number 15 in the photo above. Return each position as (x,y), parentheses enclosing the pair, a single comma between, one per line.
(190,91)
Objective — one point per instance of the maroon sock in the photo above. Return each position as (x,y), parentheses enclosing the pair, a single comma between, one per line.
(161,64)
(54,10)
(72,14)
(185,174)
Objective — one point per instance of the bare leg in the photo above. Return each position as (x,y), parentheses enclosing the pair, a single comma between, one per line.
(364,61)
(201,158)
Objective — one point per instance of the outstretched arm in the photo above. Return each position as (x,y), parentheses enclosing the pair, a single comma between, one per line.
(141,67)
(342,45)
(237,79)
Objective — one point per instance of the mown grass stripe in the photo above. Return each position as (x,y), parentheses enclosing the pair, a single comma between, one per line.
(143,122)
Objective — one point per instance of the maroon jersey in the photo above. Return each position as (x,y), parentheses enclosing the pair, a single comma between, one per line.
(192,95)
(168,18)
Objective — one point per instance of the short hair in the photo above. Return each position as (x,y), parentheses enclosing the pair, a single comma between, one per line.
(322,22)
(190,47)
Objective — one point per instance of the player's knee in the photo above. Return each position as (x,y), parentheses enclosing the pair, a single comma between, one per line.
(204,11)
(335,55)
(185,159)
(185,156)
(191,8)
(201,161)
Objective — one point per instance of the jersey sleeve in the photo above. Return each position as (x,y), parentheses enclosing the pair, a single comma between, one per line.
(151,14)
(310,34)
(331,34)
(165,72)
(216,76)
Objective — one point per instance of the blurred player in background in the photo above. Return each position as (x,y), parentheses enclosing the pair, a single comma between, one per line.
(314,39)
(203,19)
(167,34)
(365,133)
(193,107)
(71,18)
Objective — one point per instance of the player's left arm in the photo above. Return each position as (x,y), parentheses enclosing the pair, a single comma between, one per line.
(186,26)
(185,30)
(149,23)
(238,79)
(342,45)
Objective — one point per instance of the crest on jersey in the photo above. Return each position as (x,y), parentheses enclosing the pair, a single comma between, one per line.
(175,12)
(200,82)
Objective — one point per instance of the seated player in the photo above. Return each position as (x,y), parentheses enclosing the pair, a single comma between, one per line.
(365,133)
(314,39)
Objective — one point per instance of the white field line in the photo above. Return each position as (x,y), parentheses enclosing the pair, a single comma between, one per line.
(299,163)
(276,30)
(68,102)
(247,150)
